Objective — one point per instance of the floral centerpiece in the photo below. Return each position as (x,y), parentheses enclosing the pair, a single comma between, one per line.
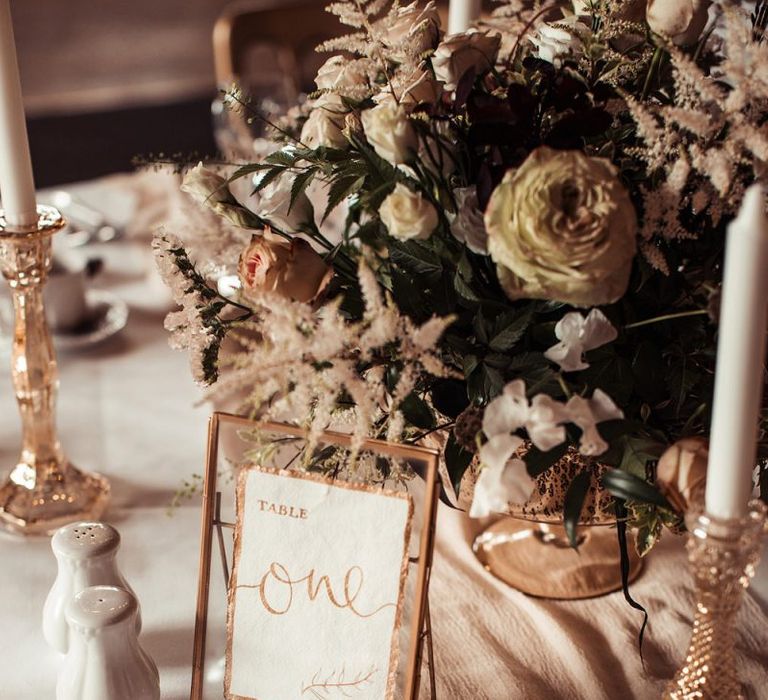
(526,248)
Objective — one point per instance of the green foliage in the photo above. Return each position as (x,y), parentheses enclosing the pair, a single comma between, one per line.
(457,461)
(573,505)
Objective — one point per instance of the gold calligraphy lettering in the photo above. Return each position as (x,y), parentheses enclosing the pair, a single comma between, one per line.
(353,582)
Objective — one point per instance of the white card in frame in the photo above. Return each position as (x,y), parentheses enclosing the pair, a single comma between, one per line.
(316,597)
(303,583)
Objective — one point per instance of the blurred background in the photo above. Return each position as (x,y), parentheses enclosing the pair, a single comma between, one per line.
(104,81)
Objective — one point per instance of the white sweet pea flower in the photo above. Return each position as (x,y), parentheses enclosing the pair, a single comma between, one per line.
(586,414)
(507,412)
(497,484)
(468,225)
(511,410)
(577,335)
(543,422)
(553,43)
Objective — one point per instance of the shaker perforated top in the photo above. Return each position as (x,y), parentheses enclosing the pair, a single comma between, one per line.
(101,606)
(84,540)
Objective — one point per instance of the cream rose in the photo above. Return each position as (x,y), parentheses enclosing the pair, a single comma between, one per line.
(458,53)
(293,269)
(682,21)
(344,76)
(562,227)
(275,204)
(414,30)
(419,87)
(406,214)
(390,132)
(682,473)
(212,190)
(553,43)
(325,123)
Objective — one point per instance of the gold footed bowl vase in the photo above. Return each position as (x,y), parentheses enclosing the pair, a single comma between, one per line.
(529,550)
(44,490)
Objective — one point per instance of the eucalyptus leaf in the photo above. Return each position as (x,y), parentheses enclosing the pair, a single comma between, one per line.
(268,177)
(449,396)
(416,259)
(340,190)
(417,412)
(457,461)
(300,184)
(630,487)
(507,338)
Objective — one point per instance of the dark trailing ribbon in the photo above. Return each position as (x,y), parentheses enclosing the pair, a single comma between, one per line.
(621,529)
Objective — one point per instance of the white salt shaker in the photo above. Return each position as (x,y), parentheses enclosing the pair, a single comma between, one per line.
(85,553)
(105,660)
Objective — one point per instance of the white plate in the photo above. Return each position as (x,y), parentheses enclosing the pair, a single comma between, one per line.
(110,315)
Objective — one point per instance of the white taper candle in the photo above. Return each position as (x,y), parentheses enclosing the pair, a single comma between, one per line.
(17,186)
(461,14)
(739,375)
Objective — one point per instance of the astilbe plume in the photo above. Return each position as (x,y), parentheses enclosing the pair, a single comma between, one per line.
(709,141)
(314,364)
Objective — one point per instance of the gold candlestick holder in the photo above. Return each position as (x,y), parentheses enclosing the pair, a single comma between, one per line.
(723,555)
(43,491)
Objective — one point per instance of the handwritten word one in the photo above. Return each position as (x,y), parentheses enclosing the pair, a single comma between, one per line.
(277,590)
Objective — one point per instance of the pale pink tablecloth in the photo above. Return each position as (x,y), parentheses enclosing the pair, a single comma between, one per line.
(127,409)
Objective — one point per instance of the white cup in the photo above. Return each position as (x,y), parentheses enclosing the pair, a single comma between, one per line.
(66,306)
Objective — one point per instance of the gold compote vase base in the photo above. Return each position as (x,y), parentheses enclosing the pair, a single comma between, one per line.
(43,491)
(528,549)
(536,558)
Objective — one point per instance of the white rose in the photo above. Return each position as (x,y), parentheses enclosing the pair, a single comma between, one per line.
(406,214)
(419,87)
(469,226)
(413,31)
(275,203)
(212,190)
(390,132)
(563,227)
(325,123)
(682,21)
(459,53)
(555,43)
(344,76)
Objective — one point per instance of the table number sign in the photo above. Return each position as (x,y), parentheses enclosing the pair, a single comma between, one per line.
(321,575)
(316,596)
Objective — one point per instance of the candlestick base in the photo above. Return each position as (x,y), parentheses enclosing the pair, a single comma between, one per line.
(33,506)
(723,556)
(43,491)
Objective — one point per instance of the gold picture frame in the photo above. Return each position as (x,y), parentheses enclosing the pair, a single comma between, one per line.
(212,524)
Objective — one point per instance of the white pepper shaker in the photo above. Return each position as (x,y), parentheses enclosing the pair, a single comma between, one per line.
(105,660)
(85,554)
